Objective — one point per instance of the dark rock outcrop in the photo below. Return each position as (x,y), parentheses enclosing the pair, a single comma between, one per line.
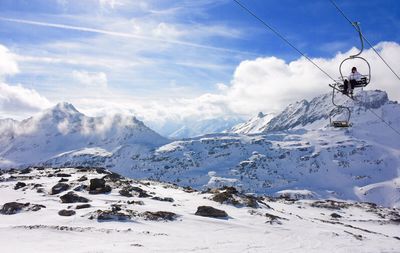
(60,187)
(125,193)
(80,188)
(13,207)
(82,178)
(208,211)
(108,215)
(142,193)
(65,212)
(63,175)
(98,186)
(230,195)
(160,215)
(72,197)
(166,199)
(82,206)
(19,185)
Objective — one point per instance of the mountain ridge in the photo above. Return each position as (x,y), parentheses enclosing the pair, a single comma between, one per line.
(297,150)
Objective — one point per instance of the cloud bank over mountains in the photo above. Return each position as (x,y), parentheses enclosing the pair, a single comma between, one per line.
(263,84)
(16,99)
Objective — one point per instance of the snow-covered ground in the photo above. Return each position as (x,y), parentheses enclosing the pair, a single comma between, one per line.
(270,225)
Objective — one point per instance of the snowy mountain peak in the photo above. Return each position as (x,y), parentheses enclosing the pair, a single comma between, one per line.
(315,113)
(63,108)
(372,99)
(253,125)
(56,114)
(66,107)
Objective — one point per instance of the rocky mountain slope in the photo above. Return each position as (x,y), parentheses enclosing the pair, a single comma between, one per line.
(94,210)
(302,114)
(296,151)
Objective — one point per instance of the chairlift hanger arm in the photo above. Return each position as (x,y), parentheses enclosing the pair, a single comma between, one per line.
(358,28)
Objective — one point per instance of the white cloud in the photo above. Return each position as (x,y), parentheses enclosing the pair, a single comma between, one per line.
(91,79)
(8,63)
(167,31)
(17,99)
(269,84)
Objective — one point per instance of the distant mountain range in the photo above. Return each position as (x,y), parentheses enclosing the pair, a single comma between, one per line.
(294,150)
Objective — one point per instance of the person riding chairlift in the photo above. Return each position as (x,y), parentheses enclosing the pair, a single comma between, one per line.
(353,77)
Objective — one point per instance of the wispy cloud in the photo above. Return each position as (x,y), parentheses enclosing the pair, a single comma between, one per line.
(91,79)
(121,34)
(8,62)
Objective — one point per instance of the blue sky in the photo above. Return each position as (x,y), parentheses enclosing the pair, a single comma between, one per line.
(119,51)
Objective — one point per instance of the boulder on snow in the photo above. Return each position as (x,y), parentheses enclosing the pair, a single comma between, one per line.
(98,186)
(72,197)
(65,212)
(110,215)
(13,207)
(19,185)
(142,193)
(113,177)
(166,199)
(60,187)
(160,215)
(82,206)
(230,195)
(82,178)
(208,211)
(63,175)
(125,192)
(330,204)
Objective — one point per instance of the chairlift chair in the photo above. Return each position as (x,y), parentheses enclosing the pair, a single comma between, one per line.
(338,86)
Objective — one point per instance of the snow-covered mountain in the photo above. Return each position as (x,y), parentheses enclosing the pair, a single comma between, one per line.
(253,125)
(192,127)
(64,129)
(303,114)
(297,150)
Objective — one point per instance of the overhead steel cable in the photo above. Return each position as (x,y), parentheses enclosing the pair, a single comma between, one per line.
(352,24)
(283,38)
